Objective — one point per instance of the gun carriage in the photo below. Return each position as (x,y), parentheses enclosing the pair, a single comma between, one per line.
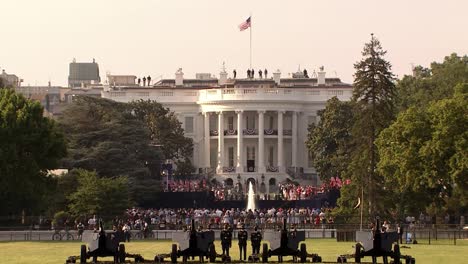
(375,243)
(286,243)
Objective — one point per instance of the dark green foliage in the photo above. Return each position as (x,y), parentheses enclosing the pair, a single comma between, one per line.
(30,144)
(424,153)
(330,140)
(166,132)
(434,83)
(104,136)
(374,99)
(106,197)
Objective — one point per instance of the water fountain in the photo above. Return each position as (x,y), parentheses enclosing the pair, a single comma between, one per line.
(251,198)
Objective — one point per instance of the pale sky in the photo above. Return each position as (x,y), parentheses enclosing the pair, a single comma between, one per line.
(149,37)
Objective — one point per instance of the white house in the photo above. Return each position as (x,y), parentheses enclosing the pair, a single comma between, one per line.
(244,127)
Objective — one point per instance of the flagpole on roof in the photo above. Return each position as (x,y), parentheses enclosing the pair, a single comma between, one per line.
(250,40)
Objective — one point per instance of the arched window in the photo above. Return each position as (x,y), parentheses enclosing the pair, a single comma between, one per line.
(272,181)
(229,182)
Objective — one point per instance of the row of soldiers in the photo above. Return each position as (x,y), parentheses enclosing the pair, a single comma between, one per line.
(226,241)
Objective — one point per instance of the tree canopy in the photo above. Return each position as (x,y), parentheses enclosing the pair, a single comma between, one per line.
(424,153)
(104,136)
(329,141)
(30,144)
(106,197)
(374,99)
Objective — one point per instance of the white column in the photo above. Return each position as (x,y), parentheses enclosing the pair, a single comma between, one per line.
(240,146)
(261,142)
(294,139)
(219,169)
(207,139)
(281,167)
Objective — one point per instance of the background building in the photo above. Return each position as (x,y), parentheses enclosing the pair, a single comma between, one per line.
(245,129)
(10,79)
(83,74)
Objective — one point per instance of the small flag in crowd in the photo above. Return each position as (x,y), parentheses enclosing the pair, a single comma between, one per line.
(245,25)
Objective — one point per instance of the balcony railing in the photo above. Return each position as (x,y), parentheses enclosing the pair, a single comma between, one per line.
(271,168)
(250,132)
(229,169)
(230,132)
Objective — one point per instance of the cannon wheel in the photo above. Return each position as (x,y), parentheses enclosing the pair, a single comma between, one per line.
(83,254)
(174,253)
(396,254)
(265,253)
(357,253)
(212,253)
(303,253)
(122,254)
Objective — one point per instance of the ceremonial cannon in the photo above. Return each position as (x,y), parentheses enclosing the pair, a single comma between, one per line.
(102,244)
(377,243)
(191,244)
(286,243)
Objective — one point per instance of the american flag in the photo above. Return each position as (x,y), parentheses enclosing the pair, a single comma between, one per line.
(245,25)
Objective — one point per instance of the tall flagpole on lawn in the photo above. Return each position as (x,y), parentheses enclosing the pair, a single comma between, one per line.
(250,40)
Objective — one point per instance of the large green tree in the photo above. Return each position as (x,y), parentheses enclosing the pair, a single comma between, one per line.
(424,155)
(106,137)
(434,83)
(106,197)
(30,144)
(374,99)
(167,133)
(329,141)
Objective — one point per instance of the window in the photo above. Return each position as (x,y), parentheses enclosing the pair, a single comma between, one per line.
(250,122)
(231,122)
(188,124)
(251,153)
(213,122)
(231,156)
(270,155)
(270,122)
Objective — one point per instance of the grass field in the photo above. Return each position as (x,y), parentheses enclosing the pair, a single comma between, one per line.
(328,249)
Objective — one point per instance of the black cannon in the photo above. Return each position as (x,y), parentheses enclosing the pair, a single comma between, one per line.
(102,244)
(286,243)
(377,243)
(192,243)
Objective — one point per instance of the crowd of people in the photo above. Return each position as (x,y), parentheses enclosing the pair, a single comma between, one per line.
(283,191)
(165,218)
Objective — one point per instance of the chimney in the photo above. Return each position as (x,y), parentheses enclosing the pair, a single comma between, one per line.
(179,77)
(277,77)
(321,77)
(223,76)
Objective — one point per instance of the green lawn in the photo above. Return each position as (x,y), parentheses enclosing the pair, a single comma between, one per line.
(328,249)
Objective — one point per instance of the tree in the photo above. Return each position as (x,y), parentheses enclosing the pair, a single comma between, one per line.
(374,97)
(166,131)
(106,197)
(423,154)
(434,83)
(106,137)
(30,144)
(329,142)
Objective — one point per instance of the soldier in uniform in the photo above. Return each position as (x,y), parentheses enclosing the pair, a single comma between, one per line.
(226,239)
(243,236)
(256,240)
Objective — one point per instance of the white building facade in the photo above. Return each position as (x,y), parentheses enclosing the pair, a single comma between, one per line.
(245,128)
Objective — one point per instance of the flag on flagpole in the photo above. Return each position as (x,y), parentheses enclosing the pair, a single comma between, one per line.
(245,25)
